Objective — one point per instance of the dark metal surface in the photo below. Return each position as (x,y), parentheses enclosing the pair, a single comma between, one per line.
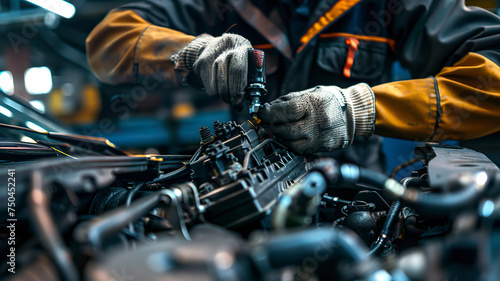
(243,176)
(445,163)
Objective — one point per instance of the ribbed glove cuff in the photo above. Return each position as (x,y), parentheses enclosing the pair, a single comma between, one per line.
(362,99)
(185,59)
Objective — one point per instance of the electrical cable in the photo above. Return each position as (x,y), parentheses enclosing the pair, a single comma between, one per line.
(130,196)
(402,166)
(183,171)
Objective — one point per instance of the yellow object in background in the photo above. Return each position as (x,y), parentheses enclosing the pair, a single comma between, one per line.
(85,111)
(183,110)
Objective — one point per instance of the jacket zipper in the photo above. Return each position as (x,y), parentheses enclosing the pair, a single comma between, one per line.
(352,44)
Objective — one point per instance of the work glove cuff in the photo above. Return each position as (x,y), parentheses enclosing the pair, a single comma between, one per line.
(361,99)
(185,59)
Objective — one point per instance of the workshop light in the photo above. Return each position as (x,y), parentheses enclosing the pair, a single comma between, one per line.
(59,7)
(481,178)
(27,139)
(7,82)
(38,80)
(487,208)
(35,127)
(5,111)
(38,105)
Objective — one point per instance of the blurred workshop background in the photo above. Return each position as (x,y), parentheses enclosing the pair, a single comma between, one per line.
(43,66)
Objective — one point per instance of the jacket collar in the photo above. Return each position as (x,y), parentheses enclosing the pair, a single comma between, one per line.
(254,17)
(324,15)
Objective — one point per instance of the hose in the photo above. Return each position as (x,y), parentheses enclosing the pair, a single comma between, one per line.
(372,178)
(130,197)
(470,188)
(96,229)
(321,244)
(410,182)
(385,233)
(183,171)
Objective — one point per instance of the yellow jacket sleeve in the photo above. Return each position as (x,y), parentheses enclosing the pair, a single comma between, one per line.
(459,103)
(125,48)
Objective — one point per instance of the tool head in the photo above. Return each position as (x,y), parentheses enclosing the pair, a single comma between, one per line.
(256,80)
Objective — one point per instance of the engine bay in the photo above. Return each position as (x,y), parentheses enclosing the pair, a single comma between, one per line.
(244,207)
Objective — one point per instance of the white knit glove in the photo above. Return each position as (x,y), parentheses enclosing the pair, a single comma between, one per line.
(321,118)
(221,63)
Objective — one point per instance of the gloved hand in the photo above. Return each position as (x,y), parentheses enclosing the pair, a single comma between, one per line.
(321,118)
(221,63)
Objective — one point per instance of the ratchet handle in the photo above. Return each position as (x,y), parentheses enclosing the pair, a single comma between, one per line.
(256,67)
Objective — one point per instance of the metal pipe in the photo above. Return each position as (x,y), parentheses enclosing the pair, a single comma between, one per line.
(299,203)
(96,229)
(252,151)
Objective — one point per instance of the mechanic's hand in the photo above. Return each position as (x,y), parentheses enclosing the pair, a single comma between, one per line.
(221,63)
(321,118)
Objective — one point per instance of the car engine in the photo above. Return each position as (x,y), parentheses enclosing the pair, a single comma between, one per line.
(244,207)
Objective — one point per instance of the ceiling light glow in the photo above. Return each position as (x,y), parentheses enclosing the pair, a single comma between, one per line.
(38,80)
(38,105)
(35,127)
(59,7)
(7,82)
(5,111)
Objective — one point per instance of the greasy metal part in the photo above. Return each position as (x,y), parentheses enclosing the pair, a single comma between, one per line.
(253,150)
(445,163)
(254,96)
(299,203)
(190,196)
(240,177)
(172,210)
